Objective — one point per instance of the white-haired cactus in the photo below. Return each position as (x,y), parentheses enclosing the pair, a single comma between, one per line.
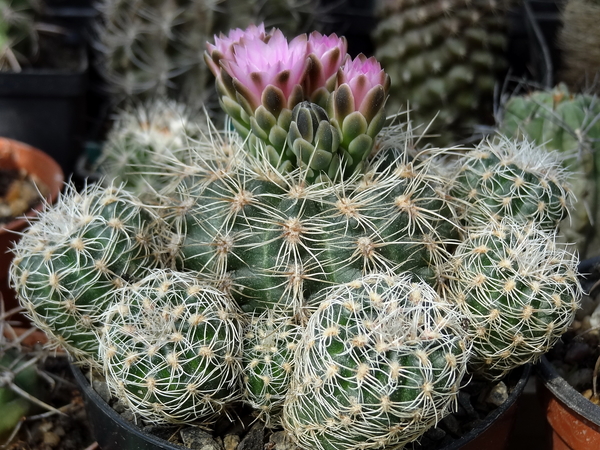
(506,178)
(156,133)
(18,37)
(277,241)
(69,263)
(153,48)
(172,348)
(269,343)
(518,291)
(380,362)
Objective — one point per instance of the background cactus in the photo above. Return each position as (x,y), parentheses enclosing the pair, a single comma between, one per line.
(518,291)
(579,44)
(172,348)
(569,123)
(379,363)
(68,264)
(444,58)
(159,132)
(505,178)
(155,47)
(18,37)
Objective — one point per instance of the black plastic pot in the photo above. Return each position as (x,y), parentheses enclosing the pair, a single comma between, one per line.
(45,108)
(574,420)
(112,432)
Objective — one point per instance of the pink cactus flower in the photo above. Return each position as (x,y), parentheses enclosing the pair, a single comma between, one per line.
(257,64)
(364,76)
(327,54)
(223,46)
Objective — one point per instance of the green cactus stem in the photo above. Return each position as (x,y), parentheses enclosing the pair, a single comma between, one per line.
(171,348)
(379,363)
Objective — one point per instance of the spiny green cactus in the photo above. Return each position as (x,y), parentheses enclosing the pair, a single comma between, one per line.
(443,57)
(70,261)
(569,123)
(155,47)
(502,177)
(380,362)
(18,37)
(275,240)
(172,348)
(159,132)
(518,291)
(269,343)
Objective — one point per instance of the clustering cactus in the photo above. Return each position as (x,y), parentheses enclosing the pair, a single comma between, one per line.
(379,363)
(340,302)
(444,58)
(18,37)
(570,124)
(68,265)
(172,348)
(157,133)
(502,178)
(155,47)
(518,290)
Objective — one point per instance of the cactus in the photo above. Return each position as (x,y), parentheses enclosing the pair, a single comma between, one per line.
(18,37)
(172,348)
(274,240)
(579,43)
(159,132)
(518,291)
(444,58)
(151,48)
(569,123)
(69,263)
(379,363)
(269,344)
(503,178)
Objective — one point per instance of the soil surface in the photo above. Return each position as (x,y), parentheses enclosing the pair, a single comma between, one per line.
(18,193)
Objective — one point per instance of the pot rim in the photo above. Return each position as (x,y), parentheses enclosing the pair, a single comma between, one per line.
(89,392)
(489,420)
(564,392)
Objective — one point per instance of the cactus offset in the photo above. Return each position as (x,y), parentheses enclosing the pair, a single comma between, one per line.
(503,178)
(172,348)
(269,343)
(517,289)
(69,263)
(380,362)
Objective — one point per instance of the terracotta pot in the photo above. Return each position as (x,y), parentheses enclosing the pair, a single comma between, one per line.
(574,420)
(17,155)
